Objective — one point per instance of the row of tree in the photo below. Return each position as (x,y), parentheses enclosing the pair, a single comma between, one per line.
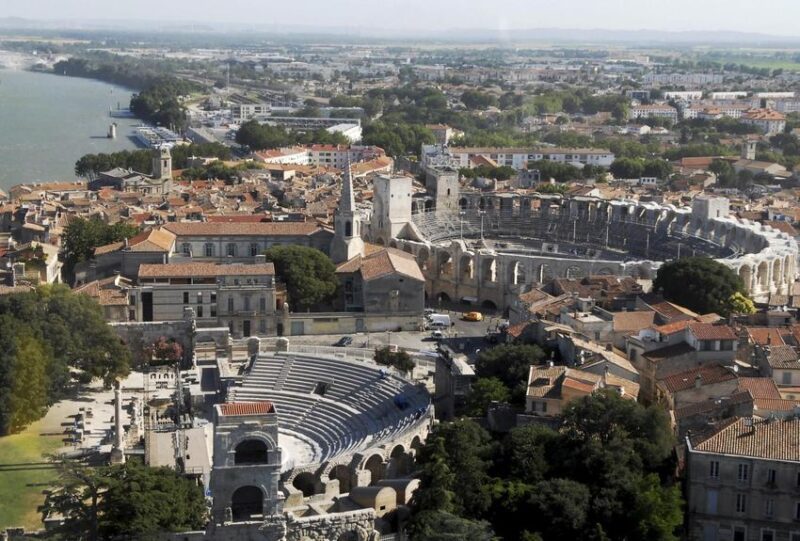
(46,334)
(257,136)
(82,236)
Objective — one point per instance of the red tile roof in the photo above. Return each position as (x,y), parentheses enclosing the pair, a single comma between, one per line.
(204,270)
(759,387)
(246,408)
(709,374)
(259,229)
(709,331)
(772,440)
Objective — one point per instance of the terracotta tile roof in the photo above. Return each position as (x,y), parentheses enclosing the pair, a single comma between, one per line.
(633,321)
(784,227)
(709,331)
(759,387)
(152,240)
(204,270)
(675,350)
(709,375)
(383,262)
(674,327)
(260,229)
(765,335)
(534,295)
(739,397)
(765,405)
(782,357)
(772,440)
(246,408)
(672,311)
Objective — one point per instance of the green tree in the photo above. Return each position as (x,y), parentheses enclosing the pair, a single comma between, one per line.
(126,501)
(627,168)
(726,174)
(28,395)
(400,359)
(309,274)
(444,526)
(82,236)
(484,391)
(562,506)
(511,365)
(699,283)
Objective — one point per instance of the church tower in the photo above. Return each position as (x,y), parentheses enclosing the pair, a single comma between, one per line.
(162,168)
(347,242)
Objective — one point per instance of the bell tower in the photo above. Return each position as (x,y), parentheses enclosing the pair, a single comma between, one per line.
(162,168)
(347,242)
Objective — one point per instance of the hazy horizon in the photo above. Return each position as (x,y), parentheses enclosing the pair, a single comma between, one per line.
(774,17)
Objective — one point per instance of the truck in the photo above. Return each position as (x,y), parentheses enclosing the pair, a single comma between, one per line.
(439,321)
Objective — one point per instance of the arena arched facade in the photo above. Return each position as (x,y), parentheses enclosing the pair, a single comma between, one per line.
(496,244)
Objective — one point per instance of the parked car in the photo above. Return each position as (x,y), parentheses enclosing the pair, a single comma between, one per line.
(437,335)
(473,316)
(344,341)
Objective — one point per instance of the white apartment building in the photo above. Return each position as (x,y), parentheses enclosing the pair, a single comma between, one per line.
(687,95)
(654,111)
(766,120)
(518,158)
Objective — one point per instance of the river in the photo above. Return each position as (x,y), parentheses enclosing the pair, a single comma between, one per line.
(49,121)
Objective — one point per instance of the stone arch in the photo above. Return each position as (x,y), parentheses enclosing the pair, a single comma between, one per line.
(462,203)
(516,274)
(788,270)
(574,271)
(763,275)
(348,228)
(489,305)
(445,265)
(380,241)
(400,462)
(416,444)
(489,270)
(375,465)
(443,297)
(393,243)
(746,274)
(306,483)
(247,503)
(422,257)
(407,249)
(467,268)
(343,474)
(777,275)
(251,451)
(428,205)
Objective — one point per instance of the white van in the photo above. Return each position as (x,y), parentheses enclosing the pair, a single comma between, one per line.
(439,321)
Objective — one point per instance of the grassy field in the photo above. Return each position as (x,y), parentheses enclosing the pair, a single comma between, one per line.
(22,478)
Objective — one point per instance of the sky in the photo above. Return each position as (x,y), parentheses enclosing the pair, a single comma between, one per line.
(775,17)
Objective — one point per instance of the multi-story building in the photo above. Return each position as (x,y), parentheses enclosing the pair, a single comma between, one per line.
(766,120)
(241,242)
(656,110)
(743,481)
(240,297)
(338,156)
(518,158)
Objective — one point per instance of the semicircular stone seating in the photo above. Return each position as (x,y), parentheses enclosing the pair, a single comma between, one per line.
(358,409)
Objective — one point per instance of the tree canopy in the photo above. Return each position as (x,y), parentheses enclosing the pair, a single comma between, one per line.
(400,360)
(82,236)
(509,364)
(256,136)
(700,284)
(125,501)
(45,333)
(598,476)
(309,275)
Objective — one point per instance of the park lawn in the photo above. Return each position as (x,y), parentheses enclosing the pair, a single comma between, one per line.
(19,494)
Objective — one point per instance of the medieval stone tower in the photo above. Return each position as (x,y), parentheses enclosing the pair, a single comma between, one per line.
(347,242)
(247,462)
(442,184)
(391,207)
(162,168)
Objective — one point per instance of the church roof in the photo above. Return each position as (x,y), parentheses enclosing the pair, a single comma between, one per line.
(382,263)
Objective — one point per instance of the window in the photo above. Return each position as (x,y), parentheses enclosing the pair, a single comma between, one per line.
(767,535)
(741,502)
(213,310)
(247,304)
(230,304)
(797,510)
(208,249)
(231,250)
(795,536)
(739,533)
(744,472)
(185,297)
(200,311)
(714,469)
(253,249)
(199,297)
(262,326)
(712,496)
(769,507)
(262,304)
(213,297)
(186,248)
(771,475)
(786,378)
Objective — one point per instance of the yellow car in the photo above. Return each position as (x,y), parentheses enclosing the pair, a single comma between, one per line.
(473,316)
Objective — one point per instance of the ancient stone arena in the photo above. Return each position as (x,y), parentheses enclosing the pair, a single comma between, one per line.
(490,247)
